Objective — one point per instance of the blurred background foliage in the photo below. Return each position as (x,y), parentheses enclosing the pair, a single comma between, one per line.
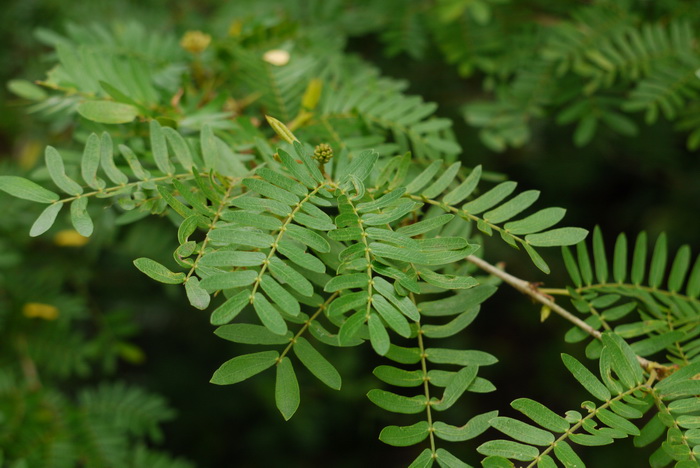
(540,90)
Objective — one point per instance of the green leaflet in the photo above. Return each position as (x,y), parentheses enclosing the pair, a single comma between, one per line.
(476,426)
(536,258)
(54,163)
(566,455)
(133,162)
(259,221)
(354,280)
(497,462)
(617,422)
(107,161)
(424,177)
(241,237)
(442,182)
(228,280)
(196,294)
(679,268)
(448,281)
(351,327)
(599,256)
(624,361)
(26,189)
(283,298)
(269,315)
(391,316)
(296,169)
(108,112)
(465,188)
(347,302)
(45,220)
(251,203)
(586,378)
(270,191)
(160,148)
(453,305)
(158,272)
(557,237)
(490,199)
(243,367)
(310,165)
(508,449)
(536,222)
(457,386)
(460,357)
(512,207)
(404,304)
(300,257)
(317,364)
(639,258)
(399,211)
(80,218)
(399,377)
(404,436)
(286,389)
(230,309)
(282,181)
(403,355)
(248,333)
(180,148)
(287,274)
(308,237)
(651,431)
(658,261)
(381,202)
(620,259)
(418,257)
(590,440)
(361,166)
(447,460)
(397,403)
(424,226)
(90,162)
(522,432)
(453,327)
(392,237)
(378,336)
(541,414)
(233,258)
(424,460)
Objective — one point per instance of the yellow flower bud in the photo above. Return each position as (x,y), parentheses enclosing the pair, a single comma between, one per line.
(195,42)
(39,310)
(70,238)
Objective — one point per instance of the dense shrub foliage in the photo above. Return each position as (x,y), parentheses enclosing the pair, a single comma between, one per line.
(336,226)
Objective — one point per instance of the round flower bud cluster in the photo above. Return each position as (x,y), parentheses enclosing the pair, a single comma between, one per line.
(323,153)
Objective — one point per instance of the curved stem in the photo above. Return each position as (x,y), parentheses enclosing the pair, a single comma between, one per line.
(530,290)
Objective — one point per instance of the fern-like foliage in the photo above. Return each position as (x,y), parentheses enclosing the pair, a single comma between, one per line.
(348,222)
(623,396)
(637,296)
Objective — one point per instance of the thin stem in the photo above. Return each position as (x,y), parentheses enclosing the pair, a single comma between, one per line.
(426,387)
(306,325)
(590,415)
(222,206)
(531,290)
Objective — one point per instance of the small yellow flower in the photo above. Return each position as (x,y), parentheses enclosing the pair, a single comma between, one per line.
(195,42)
(70,238)
(39,310)
(276,57)
(236,28)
